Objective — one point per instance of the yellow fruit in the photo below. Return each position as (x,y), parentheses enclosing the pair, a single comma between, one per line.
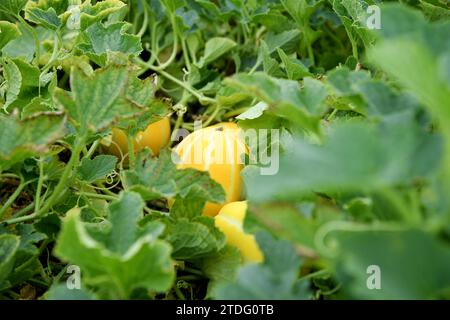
(230,221)
(155,136)
(218,150)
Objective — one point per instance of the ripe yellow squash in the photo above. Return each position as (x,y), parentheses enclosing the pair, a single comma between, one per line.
(230,221)
(155,137)
(217,149)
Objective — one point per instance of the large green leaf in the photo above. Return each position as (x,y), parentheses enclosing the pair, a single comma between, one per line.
(12,6)
(125,260)
(412,264)
(215,48)
(354,16)
(97,168)
(26,261)
(286,98)
(13,79)
(356,90)
(89,14)
(156,178)
(8,32)
(194,239)
(220,267)
(21,46)
(274,279)
(355,157)
(98,100)
(20,140)
(112,38)
(288,222)
(8,247)
(421,71)
(47,18)
(61,292)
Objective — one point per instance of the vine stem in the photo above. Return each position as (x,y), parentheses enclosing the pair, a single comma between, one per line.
(37,198)
(131,156)
(179,293)
(25,210)
(173,55)
(235,112)
(315,274)
(92,148)
(59,187)
(180,111)
(145,22)
(212,116)
(9,175)
(202,99)
(98,196)
(13,197)
(153,42)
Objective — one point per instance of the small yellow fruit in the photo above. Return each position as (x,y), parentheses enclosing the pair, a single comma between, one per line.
(230,221)
(218,150)
(155,136)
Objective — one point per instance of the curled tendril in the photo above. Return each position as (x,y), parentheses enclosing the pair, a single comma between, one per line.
(110,177)
(330,249)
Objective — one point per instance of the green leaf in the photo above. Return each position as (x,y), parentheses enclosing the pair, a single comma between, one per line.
(435,10)
(294,68)
(220,267)
(188,207)
(97,168)
(28,238)
(377,157)
(173,5)
(301,11)
(123,216)
(26,263)
(214,49)
(89,14)
(406,30)
(254,112)
(47,18)
(345,81)
(194,239)
(12,6)
(49,225)
(13,79)
(61,292)
(153,178)
(98,100)
(270,66)
(60,6)
(358,91)
(156,178)
(146,263)
(285,97)
(286,40)
(112,38)
(8,32)
(274,279)
(200,182)
(412,264)
(194,189)
(30,74)
(354,15)
(289,223)
(20,140)
(8,246)
(20,47)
